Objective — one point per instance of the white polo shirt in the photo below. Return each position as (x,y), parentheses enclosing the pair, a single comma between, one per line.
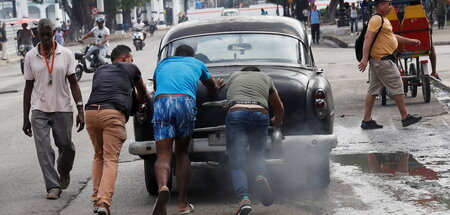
(55,97)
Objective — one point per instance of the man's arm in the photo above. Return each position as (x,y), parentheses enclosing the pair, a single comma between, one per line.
(213,85)
(76,94)
(142,93)
(88,34)
(406,40)
(275,102)
(26,107)
(368,38)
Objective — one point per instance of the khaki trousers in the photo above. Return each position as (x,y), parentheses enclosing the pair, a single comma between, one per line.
(4,50)
(107,131)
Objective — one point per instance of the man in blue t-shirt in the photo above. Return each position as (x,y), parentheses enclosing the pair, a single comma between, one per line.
(175,82)
(314,21)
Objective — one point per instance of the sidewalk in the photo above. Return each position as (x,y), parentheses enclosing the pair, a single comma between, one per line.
(345,40)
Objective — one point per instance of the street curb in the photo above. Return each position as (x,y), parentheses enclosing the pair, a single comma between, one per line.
(439,84)
(336,40)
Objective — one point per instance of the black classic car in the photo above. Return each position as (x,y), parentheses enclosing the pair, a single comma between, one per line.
(280,48)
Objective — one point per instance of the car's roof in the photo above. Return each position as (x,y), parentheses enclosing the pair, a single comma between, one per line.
(229,24)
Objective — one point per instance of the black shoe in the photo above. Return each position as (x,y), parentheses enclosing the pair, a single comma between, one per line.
(64,181)
(410,119)
(263,192)
(371,124)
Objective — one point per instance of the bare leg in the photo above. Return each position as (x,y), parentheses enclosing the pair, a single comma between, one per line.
(400,101)
(183,170)
(433,60)
(162,165)
(370,100)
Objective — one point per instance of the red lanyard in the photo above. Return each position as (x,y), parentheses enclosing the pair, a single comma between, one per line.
(49,69)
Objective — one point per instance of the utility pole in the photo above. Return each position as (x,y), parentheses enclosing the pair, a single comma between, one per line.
(100,8)
(119,19)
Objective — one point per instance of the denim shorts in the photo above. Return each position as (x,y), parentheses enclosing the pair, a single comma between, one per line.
(174,117)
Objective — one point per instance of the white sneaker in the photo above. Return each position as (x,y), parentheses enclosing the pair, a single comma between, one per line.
(351,34)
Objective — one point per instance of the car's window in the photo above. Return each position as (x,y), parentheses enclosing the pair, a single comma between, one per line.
(234,48)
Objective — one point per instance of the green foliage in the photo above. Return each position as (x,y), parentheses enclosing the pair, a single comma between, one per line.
(128,4)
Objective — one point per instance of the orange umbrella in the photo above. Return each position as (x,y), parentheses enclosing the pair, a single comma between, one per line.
(24,20)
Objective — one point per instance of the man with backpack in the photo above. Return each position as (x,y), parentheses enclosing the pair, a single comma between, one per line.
(380,44)
(314,21)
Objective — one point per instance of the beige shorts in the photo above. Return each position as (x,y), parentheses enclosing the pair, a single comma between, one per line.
(384,73)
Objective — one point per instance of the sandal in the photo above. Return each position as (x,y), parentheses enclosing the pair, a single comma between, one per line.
(162,201)
(187,211)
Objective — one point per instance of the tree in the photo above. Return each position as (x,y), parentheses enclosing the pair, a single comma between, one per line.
(332,8)
(80,16)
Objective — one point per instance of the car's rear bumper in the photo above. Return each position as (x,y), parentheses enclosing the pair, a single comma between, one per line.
(200,145)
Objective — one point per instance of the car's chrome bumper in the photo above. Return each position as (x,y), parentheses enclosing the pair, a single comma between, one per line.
(326,142)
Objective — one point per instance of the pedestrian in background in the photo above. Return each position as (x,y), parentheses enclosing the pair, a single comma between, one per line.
(248,96)
(353,14)
(49,69)
(175,83)
(107,111)
(59,36)
(4,41)
(24,37)
(383,70)
(314,22)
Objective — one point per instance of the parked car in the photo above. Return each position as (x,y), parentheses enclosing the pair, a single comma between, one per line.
(279,47)
(230,12)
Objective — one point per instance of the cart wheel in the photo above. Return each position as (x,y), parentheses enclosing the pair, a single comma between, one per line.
(426,88)
(413,71)
(383,96)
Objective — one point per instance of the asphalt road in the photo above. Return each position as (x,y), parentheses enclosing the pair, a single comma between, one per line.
(353,190)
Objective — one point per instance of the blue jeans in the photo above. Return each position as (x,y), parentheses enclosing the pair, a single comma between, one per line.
(101,53)
(354,22)
(246,128)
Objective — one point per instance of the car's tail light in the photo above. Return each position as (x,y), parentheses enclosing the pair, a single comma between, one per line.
(320,94)
(320,103)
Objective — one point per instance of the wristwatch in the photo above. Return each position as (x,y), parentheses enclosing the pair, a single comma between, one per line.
(79,103)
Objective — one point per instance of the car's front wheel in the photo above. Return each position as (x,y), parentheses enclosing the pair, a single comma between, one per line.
(150,178)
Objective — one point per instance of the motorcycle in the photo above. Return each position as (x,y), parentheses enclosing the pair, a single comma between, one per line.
(152,28)
(138,39)
(82,66)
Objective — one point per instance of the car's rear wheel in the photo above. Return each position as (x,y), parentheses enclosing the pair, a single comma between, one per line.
(150,178)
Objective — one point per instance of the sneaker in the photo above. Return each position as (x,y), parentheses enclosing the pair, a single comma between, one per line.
(351,34)
(245,207)
(410,119)
(53,193)
(436,76)
(262,191)
(64,181)
(103,209)
(95,207)
(371,124)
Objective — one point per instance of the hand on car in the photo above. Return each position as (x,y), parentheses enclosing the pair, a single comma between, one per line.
(220,83)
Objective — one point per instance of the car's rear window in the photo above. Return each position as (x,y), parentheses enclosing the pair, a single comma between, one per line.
(235,48)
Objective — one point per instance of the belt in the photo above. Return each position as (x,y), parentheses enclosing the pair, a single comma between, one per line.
(261,110)
(389,57)
(231,104)
(101,107)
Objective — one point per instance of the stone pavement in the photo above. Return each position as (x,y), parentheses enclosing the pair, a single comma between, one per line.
(441,37)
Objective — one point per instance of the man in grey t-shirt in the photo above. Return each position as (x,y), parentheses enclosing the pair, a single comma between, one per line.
(248,95)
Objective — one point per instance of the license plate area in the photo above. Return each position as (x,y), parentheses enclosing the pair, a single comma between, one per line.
(217,139)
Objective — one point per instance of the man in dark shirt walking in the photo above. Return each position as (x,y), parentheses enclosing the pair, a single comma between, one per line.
(107,111)
(4,41)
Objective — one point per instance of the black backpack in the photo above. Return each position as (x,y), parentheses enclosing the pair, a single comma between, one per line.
(359,43)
